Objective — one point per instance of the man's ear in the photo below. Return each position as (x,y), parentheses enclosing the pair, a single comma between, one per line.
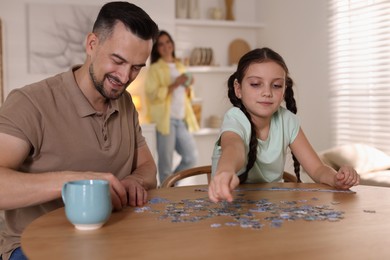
(91,43)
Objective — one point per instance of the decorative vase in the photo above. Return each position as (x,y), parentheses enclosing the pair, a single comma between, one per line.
(193,9)
(229,10)
(181,9)
(216,13)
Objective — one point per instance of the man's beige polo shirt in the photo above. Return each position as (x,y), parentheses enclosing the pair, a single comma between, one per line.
(66,133)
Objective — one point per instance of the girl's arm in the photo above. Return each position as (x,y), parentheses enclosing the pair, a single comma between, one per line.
(345,178)
(231,161)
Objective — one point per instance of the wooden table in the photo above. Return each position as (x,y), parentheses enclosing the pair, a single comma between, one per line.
(363,233)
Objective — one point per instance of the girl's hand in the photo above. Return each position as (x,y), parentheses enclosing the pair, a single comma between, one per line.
(222,185)
(346,177)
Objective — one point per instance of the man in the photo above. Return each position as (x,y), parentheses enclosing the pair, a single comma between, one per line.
(80,124)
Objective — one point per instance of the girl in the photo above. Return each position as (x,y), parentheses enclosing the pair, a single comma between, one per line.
(257,131)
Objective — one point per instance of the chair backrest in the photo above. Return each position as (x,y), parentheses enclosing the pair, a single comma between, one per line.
(288,177)
(172,179)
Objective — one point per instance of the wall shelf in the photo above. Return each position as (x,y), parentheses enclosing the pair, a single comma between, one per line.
(211,69)
(218,23)
(211,80)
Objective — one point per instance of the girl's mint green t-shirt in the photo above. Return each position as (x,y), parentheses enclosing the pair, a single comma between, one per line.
(271,153)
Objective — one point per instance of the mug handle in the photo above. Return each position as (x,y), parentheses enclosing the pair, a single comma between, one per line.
(63,192)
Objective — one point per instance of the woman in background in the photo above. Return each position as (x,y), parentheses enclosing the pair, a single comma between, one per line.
(257,131)
(168,95)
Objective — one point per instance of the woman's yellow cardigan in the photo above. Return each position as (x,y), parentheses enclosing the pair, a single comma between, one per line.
(159,102)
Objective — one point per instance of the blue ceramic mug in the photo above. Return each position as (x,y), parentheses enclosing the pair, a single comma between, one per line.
(87,203)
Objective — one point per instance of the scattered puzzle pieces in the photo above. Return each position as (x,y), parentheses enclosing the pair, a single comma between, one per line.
(286,189)
(245,213)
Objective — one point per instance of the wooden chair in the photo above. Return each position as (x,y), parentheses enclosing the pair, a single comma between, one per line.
(172,179)
(288,177)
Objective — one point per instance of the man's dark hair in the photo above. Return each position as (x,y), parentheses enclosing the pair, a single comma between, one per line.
(133,17)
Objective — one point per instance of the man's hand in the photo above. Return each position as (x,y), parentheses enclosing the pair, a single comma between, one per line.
(136,193)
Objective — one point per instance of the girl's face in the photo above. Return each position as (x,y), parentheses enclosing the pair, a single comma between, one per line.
(165,47)
(262,89)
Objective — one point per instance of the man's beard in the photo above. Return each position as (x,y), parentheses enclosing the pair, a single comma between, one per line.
(99,85)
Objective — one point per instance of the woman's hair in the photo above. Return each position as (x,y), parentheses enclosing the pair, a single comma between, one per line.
(259,56)
(155,55)
(133,17)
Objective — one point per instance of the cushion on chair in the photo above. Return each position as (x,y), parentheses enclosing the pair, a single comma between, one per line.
(372,164)
(377,178)
(363,158)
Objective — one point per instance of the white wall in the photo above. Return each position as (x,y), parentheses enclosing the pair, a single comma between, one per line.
(14,17)
(296,29)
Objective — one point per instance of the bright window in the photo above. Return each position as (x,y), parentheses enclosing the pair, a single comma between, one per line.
(359,33)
